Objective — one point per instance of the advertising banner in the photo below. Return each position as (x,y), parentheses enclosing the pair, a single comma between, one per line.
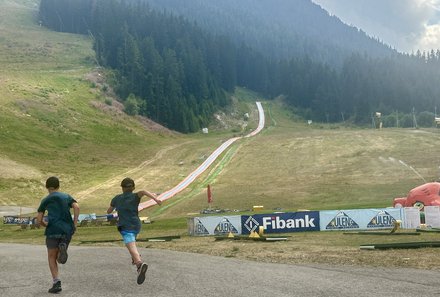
(350,219)
(87,217)
(411,217)
(359,219)
(281,222)
(16,220)
(432,216)
(204,226)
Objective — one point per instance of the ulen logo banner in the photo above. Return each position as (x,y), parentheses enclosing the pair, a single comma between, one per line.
(203,226)
(281,223)
(359,219)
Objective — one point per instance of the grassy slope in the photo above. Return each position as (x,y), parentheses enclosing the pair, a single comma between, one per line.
(49,126)
(47,120)
(294,166)
(49,123)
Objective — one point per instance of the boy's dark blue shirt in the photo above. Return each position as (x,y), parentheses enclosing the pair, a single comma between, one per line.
(57,205)
(127,205)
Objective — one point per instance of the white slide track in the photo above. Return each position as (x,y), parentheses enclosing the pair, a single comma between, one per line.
(190,178)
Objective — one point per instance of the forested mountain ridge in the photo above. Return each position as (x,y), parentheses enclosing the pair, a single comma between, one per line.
(281,29)
(159,72)
(176,72)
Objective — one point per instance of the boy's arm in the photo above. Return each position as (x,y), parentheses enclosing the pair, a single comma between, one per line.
(110,209)
(149,194)
(40,220)
(146,193)
(112,206)
(75,207)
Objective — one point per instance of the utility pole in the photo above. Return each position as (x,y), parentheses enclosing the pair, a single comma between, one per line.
(414,118)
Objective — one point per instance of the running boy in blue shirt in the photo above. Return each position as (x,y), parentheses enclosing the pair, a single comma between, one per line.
(129,224)
(59,228)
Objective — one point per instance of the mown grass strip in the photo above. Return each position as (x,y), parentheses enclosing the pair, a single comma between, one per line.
(381,233)
(402,245)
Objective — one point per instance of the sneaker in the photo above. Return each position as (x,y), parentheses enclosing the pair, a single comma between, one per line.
(62,254)
(142,269)
(56,288)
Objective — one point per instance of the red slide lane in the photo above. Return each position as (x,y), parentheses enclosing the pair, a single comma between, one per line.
(205,165)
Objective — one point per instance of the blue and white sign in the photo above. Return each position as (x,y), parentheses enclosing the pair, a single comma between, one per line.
(87,217)
(16,220)
(281,223)
(203,226)
(359,219)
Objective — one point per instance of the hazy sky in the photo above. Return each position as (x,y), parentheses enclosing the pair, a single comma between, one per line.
(406,25)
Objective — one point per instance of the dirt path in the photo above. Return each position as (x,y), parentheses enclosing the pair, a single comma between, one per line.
(137,171)
(15,210)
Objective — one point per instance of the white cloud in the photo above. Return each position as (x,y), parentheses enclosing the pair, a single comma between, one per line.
(406,25)
(431,38)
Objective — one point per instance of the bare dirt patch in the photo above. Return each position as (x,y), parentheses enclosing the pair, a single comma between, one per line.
(15,210)
(10,169)
(112,185)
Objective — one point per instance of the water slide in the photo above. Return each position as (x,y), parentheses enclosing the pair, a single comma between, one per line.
(191,177)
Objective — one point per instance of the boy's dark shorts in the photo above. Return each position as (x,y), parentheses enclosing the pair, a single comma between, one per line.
(53,243)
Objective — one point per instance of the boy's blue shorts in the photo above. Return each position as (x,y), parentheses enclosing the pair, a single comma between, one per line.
(129,235)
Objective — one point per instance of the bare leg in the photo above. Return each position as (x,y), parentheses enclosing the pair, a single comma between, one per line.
(132,249)
(53,265)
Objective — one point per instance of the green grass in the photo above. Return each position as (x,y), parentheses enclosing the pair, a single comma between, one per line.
(294,166)
(51,122)
(56,122)
(167,227)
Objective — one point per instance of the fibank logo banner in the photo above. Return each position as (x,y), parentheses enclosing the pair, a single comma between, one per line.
(359,219)
(281,223)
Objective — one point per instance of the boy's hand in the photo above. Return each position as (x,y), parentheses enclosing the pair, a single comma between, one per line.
(156,200)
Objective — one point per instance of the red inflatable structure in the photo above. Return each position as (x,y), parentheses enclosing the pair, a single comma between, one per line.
(425,195)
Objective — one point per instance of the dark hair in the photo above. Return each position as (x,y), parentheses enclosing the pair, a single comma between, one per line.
(52,182)
(127,183)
